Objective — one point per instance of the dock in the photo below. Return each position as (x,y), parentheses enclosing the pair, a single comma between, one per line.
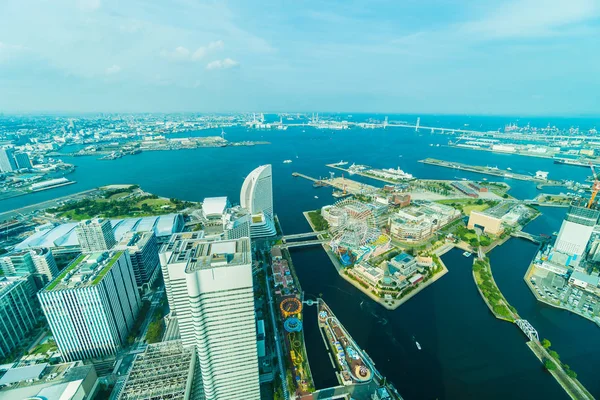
(493,171)
(344,185)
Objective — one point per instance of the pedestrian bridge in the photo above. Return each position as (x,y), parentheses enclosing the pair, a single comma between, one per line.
(303,235)
(528,330)
(529,236)
(303,243)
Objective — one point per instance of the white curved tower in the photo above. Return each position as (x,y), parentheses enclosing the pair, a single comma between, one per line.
(257,197)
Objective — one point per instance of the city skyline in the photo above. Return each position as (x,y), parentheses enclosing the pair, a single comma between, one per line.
(516,57)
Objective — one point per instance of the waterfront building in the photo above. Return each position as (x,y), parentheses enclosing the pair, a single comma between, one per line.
(583,280)
(403,263)
(39,262)
(220,219)
(143,252)
(7,160)
(18,312)
(63,241)
(92,305)
(257,197)
(494,220)
(576,230)
(69,381)
(22,160)
(210,291)
(420,221)
(163,371)
(95,235)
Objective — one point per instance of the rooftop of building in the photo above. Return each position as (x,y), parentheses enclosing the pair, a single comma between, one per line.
(7,282)
(86,270)
(161,371)
(24,382)
(583,277)
(498,211)
(64,235)
(214,206)
(403,258)
(135,239)
(203,253)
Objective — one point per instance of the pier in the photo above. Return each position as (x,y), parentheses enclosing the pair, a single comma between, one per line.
(485,170)
(344,185)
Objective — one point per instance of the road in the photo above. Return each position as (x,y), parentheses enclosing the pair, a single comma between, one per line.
(8,215)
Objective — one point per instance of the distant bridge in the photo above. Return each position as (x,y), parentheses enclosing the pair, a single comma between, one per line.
(529,236)
(304,243)
(528,330)
(303,235)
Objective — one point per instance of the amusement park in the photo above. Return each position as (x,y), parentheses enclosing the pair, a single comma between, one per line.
(355,229)
(289,298)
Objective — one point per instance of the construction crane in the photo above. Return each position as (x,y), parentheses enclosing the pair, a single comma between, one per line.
(595,187)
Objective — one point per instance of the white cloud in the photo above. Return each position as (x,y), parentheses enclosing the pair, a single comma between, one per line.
(533,18)
(112,70)
(222,64)
(89,5)
(184,54)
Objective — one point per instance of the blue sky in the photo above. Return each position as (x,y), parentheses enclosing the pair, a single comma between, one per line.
(398,56)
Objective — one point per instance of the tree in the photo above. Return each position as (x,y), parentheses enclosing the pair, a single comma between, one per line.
(554,355)
(549,365)
(546,343)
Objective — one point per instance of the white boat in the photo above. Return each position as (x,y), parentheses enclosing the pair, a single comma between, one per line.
(418,345)
(340,163)
(467,254)
(316,197)
(509,169)
(287,161)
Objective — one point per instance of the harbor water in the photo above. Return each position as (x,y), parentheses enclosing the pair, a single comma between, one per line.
(466,353)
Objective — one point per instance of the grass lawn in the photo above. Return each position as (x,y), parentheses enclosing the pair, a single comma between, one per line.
(44,347)
(474,207)
(117,196)
(155,202)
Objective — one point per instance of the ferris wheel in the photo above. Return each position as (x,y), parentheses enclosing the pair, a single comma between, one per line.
(356,225)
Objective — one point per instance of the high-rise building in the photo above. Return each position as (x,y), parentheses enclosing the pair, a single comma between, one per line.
(22,160)
(209,288)
(92,305)
(38,262)
(7,160)
(44,262)
(18,311)
(143,252)
(576,230)
(95,235)
(163,371)
(257,197)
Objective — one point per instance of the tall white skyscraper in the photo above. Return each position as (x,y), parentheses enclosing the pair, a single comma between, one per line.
(92,305)
(209,288)
(18,312)
(576,230)
(7,160)
(257,197)
(38,262)
(95,235)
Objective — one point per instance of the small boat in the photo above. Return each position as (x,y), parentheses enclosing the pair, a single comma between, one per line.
(287,161)
(418,345)
(316,197)
(509,169)
(467,254)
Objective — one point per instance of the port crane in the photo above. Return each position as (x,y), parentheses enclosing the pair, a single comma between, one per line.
(595,187)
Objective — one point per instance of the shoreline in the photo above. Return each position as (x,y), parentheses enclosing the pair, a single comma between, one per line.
(526,278)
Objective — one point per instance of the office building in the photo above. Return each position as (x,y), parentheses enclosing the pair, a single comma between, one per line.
(18,312)
(494,220)
(220,219)
(163,371)
(143,252)
(576,230)
(92,305)
(209,289)
(257,197)
(7,160)
(22,160)
(68,381)
(39,263)
(95,235)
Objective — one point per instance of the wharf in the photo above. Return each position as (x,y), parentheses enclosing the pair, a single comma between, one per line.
(365,174)
(485,170)
(344,185)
